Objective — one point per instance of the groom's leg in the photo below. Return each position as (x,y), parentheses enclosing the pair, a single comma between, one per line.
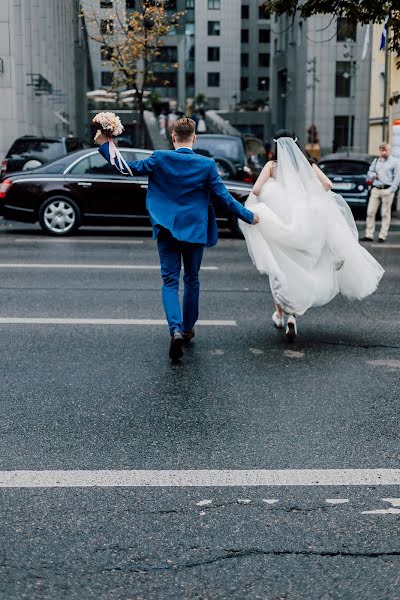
(170,261)
(192,256)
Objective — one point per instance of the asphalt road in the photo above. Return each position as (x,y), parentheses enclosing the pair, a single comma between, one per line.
(94,397)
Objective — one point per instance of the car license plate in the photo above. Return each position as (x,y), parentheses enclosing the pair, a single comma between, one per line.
(342,186)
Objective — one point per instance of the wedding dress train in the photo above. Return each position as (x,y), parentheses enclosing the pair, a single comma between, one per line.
(306,240)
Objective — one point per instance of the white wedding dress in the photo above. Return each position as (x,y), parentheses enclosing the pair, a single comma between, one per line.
(306,239)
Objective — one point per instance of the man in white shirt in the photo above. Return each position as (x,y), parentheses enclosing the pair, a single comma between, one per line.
(385,174)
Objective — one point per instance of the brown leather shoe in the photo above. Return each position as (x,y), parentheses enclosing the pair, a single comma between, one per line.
(188,336)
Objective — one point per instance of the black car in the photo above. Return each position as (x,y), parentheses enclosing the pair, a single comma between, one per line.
(229,153)
(348,173)
(30,152)
(84,189)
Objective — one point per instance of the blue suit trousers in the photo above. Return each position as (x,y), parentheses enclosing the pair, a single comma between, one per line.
(172,253)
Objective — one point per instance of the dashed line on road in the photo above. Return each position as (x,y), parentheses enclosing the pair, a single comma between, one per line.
(393,510)
(199,478)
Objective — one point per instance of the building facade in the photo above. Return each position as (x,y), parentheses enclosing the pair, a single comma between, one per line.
(385,95)
(320,76)
(221,47)
(43,69)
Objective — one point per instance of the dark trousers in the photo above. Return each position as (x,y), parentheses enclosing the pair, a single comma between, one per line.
(172,253)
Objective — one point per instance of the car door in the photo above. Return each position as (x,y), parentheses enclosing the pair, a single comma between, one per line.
(107,192)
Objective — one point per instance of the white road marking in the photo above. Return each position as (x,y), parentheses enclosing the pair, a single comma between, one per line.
(77,321)
(393,510)
(87,266)
(389,246)
(337,500)
(293,354)
(243,500)
(199,478)
(390,363)
(204,503)
(269,501)
(74,241)
(256,351)
(217,352)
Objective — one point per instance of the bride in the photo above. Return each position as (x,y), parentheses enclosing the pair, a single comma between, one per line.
(306,240)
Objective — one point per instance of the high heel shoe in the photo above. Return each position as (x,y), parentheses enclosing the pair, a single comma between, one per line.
(278,321)
(291,328)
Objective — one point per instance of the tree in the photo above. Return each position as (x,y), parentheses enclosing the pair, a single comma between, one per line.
(135,47)
(358,11)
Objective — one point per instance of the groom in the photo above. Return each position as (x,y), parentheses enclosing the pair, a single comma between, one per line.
(179,204)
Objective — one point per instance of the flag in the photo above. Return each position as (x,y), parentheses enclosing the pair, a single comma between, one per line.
(366,43)
(384,35)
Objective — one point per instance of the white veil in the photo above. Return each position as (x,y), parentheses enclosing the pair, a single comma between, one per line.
(307,239)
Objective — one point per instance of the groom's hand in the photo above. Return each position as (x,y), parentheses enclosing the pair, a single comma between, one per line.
(100,138)
(256,219)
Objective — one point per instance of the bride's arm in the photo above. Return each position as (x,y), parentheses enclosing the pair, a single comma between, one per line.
(262,178)
(326,182)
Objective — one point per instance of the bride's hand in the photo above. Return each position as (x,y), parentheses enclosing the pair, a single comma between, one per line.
(256,219)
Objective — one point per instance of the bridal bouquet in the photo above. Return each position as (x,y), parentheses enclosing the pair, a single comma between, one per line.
(110,125)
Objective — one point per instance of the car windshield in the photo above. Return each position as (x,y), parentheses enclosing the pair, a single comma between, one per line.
(48,149)
(226,148)
(344,167)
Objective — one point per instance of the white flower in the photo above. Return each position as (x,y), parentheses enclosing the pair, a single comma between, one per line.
(109,122)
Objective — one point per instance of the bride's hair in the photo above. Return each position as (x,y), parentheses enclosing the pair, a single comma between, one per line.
(290,134)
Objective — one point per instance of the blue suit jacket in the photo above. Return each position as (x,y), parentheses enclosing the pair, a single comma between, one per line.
(181,183)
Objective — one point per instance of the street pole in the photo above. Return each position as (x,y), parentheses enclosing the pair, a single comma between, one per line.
(352,73)
(385,93)
(314,90)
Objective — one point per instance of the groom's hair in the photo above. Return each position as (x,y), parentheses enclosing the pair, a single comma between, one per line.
(184,129)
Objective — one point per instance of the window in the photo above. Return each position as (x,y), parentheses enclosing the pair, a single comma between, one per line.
(106,78)
(341,134)
(213,79)
(214,4)
(189,4)
(106,26)
(244,36)
(262,12)
(164,80)
(263,60)
(263,84)
(214,27)
(168,54)
(343,79)
(264,36)
(245,11)
(244,59)
(106,3)
(346,30)
(94,164)
(106,52)
(244,84)
(213,53)
(189,79)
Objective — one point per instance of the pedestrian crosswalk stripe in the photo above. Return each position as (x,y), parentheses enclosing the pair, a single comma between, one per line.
(199,478)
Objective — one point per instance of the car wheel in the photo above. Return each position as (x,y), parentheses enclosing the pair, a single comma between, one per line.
(226,169)
(59,215)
